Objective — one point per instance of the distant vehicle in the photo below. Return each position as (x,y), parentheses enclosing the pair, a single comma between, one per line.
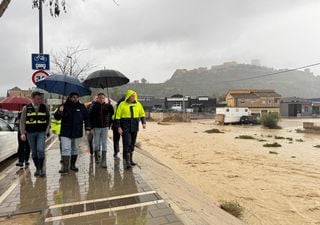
(8,140)
(230,115)
(248,120)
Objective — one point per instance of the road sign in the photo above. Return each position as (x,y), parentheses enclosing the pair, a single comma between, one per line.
(40,61)
(39,75)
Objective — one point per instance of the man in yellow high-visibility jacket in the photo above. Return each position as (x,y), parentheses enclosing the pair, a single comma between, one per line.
(129,113)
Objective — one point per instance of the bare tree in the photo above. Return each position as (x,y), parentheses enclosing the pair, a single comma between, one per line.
(67,61)
(55,6)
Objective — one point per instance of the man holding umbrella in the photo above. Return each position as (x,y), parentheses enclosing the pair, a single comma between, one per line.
(129,113)
(35,122)
(72,114)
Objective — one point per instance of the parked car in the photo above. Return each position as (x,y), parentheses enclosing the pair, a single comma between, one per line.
(8,140)
(248,120)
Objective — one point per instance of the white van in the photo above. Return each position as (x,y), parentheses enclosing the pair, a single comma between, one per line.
(231,115)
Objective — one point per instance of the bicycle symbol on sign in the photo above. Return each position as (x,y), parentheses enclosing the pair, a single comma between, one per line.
(40,58)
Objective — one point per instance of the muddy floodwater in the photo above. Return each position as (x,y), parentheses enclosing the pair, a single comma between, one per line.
(275,185)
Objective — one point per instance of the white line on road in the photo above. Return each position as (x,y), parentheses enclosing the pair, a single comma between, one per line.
(7,172)
(93,212)
(102,199)
(8,191)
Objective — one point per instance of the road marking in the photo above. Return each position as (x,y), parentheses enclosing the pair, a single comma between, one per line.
(7,172)
(93,212)
(101,199)
(8,191)
(55,140)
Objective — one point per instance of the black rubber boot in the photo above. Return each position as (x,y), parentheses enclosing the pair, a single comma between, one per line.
(41,171)
(127,159)
(64,165)
(73,163)
(131,160)
(96,156)
(36,164)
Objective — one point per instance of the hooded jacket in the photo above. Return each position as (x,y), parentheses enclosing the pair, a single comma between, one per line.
(72,119)
(128,115)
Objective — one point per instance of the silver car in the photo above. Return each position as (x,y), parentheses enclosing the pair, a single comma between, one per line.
(8,140)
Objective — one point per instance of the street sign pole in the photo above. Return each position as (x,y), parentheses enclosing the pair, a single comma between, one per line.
(40,28)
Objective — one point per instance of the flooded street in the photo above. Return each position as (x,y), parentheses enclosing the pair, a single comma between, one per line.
(277,188)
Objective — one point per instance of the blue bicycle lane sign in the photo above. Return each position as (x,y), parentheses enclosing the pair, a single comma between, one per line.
(40,61)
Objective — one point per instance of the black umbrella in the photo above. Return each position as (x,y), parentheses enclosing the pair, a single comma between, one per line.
(105,79)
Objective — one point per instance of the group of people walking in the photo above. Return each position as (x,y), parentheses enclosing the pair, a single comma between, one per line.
(69,122)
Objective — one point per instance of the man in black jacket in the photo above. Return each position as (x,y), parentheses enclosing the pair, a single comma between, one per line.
(72,114)
(100,117)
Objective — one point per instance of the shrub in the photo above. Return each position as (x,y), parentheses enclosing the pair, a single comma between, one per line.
(275,144)
(232,207)
(270,121)
(245,137)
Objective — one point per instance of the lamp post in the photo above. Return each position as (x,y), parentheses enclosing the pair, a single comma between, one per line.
(40,28)
(70,57)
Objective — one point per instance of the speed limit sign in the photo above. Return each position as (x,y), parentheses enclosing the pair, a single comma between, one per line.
(39,75)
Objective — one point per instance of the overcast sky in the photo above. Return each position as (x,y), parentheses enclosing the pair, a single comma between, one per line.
(153,38)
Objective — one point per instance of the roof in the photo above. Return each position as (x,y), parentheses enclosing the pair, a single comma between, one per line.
(15,89)
(294,99)
(253,93)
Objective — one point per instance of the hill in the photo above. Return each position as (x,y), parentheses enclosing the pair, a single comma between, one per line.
(217,80)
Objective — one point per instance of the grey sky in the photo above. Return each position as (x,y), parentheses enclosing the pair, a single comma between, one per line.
(152,38)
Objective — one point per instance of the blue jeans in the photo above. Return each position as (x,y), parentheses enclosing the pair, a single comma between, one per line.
(69,146)
(100,138)
(37,143)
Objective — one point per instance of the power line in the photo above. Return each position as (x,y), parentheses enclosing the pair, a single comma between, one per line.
(271,74)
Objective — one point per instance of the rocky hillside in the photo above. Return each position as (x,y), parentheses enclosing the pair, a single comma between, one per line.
(217,80)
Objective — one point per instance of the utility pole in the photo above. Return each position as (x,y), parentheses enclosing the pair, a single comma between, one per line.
(40,28)
(3,6)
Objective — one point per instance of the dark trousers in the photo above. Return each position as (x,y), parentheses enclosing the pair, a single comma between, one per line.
(90,142)
(129,141)
(116,140)
(23,150)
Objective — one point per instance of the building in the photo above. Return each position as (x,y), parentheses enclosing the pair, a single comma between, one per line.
(19,92)
(191,104)
(177,102)
(259,101)
(151,103)
(203,104)
(293,107)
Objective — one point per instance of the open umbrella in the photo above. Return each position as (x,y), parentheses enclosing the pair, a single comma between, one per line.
(14,103)
(106,79)
(63,85)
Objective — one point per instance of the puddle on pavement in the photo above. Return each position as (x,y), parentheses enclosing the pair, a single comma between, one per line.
(30,219)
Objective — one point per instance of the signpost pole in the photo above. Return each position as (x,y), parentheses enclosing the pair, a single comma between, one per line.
(40,28)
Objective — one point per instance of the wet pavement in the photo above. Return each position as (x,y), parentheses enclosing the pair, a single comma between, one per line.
(94,195)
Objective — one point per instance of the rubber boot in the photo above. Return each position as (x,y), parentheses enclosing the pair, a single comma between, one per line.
(104,159)
(64,165)
(41,171)
(73,163)
(96,156)
(36,164)
(127,159)
(131,160)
